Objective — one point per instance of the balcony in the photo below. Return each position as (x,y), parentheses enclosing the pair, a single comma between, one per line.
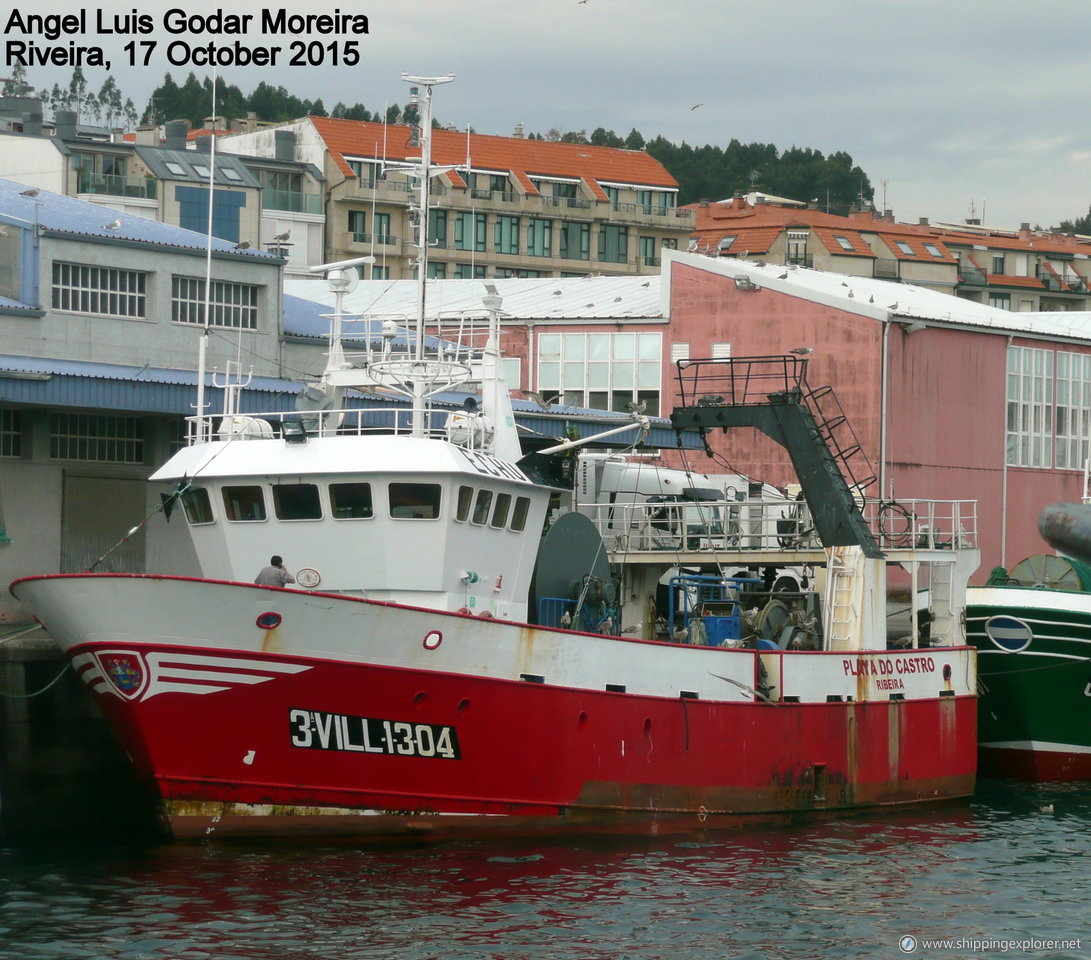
(1050,280)
(970,273)
(115,186)
(293,201)
(885,269)
(801,260)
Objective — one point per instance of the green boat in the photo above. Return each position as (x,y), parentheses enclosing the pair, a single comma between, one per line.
(1032,630)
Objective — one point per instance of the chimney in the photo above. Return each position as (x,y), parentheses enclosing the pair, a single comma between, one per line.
(203,144)
(922,221)
(32,123)
(888,216)
(284,148)
(704,201)
(175,133)
(148,134)
(518,132)
(65,124)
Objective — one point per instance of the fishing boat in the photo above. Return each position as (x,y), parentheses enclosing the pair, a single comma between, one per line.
(460,652)
(1032,630)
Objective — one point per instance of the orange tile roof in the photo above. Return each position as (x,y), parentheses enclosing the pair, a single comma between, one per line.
(1006,280)
(1052,243)
(522,158)
(829,236)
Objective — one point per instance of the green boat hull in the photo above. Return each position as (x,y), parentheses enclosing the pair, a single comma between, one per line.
(1034,681)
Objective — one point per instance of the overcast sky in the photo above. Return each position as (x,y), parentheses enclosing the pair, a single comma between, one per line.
(952,107)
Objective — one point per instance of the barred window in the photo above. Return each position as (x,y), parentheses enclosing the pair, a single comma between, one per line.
(1030,402)
(11,433)
(1072,413)
(104,439)
(234,305)
(106,291)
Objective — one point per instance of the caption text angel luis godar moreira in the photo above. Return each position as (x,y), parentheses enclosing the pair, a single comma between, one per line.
(186,39)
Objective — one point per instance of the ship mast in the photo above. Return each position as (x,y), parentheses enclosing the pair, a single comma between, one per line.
(423,100)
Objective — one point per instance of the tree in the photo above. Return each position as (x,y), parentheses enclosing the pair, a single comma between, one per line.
(1079,225)
(634,141)
(16,83)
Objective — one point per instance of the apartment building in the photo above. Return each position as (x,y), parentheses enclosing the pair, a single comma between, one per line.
(506,207)
(1020,270)
(268,203)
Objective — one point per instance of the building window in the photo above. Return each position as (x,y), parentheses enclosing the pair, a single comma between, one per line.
(539,237)
(380,273)
(498,183)
(437,227)
(613,243)
(470,231)
(469,271)
(437,271)
(602,371)
(679,351)
(998,264)
(103,439)
(644,200)
(721,351)
(1072,414)
(575,243)
(904,247)
(226,211)
(725,244)
(382,228)
(614,194)
(11,433)
(506,235)
(843,242)
(358,226)
(105,291)
(648,251)
(933,250)
(234,305)
(1029,402)
(1002,301)
(797,247)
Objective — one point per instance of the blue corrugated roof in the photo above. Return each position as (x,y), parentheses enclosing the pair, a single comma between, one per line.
(58,213)
(53,382)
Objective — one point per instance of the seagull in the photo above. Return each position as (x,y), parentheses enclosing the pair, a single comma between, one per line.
(710,400)
(540,399)
(634,406)
(783,276)
(695,106)
(283,236)
(112,225)
(245,245)
(29,192)
(802,351)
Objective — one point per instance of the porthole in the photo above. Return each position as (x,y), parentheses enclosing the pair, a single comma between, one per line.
(268,620)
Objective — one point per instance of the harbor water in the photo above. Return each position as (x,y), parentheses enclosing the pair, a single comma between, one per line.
(1007,874)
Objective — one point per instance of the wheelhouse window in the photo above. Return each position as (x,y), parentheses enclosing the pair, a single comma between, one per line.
(234,305)
(501,509)
(351,501)
(296,501)
(481,507)
(519,514)
(198,506)
(465,501)
(105,291)
(244,503)
(414,501)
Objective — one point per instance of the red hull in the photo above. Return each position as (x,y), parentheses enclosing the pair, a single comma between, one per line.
(524,749)
(1034,765)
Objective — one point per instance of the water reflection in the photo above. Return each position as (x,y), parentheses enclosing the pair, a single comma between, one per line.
(1011,864)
